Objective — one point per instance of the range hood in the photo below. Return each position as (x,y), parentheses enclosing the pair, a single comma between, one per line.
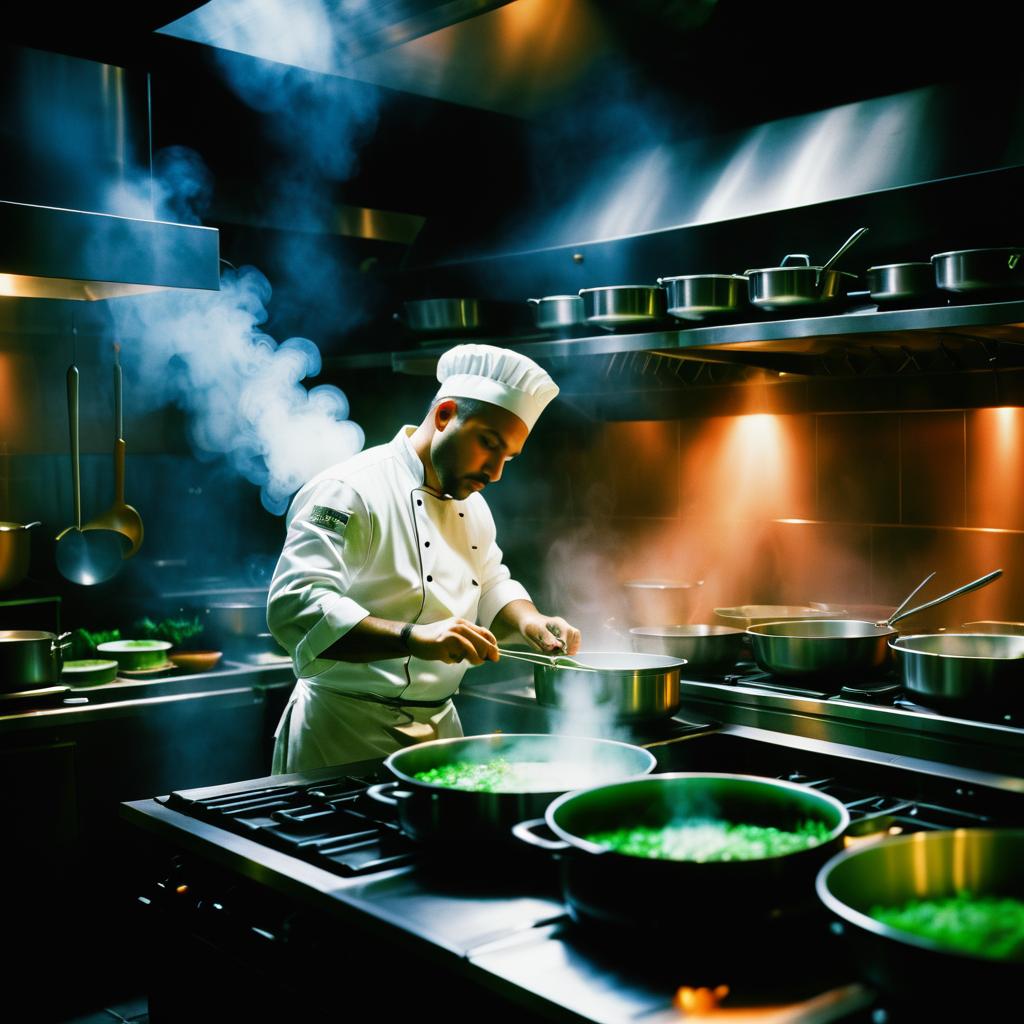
(50,253)
(77,199)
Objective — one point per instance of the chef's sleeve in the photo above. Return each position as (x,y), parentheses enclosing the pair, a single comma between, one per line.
(497,588)
(329,540)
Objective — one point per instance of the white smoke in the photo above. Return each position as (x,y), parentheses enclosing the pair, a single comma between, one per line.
(205,352)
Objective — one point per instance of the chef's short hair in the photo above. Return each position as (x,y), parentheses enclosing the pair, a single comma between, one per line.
(468,407)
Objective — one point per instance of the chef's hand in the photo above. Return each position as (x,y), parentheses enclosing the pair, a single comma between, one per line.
(547,633)
(453,640)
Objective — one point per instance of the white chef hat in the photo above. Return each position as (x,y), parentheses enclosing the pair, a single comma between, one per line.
(496,375)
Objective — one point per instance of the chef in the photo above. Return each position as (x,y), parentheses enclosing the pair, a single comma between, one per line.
(391,583)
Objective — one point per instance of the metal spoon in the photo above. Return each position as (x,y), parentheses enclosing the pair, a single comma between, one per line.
(546,660)
(855,237)
(120,517)
(84,557)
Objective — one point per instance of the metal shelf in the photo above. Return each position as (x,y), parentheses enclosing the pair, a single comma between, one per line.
(798,345)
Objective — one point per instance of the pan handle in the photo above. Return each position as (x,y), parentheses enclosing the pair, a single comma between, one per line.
(523,831)
(388,793)
(967,588)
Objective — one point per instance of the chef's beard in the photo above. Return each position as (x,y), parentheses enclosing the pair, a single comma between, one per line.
(452,483)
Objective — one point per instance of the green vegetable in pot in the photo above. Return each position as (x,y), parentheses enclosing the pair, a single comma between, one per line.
(502,776)
(989,926)
(704,841)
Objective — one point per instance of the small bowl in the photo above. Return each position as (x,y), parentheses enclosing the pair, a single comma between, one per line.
(89,672)
(196,661)
(136,654)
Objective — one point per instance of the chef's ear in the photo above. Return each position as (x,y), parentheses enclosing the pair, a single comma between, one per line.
(444,413)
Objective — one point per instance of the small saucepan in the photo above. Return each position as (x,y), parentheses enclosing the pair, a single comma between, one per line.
(558,312)
(625,686)
(963,670)
(707,650)
(980,270)
(624,306)
(699,296)
(902,283)
(796,283)
(850,648)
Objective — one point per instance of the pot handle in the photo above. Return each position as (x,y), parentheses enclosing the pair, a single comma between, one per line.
(535,302)
(28,526)
(379,792)
(523,831)
(796,259)
(60,643)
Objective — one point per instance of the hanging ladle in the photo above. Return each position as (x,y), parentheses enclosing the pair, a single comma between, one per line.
(84,556)
(120,517)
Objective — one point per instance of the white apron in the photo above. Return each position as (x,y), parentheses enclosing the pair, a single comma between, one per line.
(367,538)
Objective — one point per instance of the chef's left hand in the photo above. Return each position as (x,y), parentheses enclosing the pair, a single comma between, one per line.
(547,632)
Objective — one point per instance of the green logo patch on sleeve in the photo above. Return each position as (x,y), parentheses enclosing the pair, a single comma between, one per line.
(330,519)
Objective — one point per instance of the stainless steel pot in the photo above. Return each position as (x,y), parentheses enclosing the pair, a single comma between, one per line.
(744,615)
(440,814)
(980,270)
(698,296)
(927,865)
(627,305)
(15,548)
(459,315)
(902,282)
(796,283)
(963,669)
(626,686)
(707,650)
(821,647)
(555,312)
(603,886)
(661,602)
(30,659)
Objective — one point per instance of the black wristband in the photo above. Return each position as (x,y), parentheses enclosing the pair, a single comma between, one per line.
(406,633)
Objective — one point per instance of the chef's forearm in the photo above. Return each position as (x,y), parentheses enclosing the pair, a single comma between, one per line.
(510,619)
(370,639)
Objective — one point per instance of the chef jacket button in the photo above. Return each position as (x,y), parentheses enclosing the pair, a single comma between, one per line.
(426,543)
(419,501)
(475,584)
(474,547)
(430,579)
(462,515)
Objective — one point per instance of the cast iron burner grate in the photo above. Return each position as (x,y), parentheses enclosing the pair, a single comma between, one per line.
(331,824)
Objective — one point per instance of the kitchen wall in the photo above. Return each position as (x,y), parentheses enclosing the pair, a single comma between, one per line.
(854,509)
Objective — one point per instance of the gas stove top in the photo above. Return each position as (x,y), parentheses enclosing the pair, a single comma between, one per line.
(304,871)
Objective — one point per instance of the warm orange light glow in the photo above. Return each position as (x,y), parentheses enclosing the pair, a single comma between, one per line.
(699,1000)
(12,411)
(181,890)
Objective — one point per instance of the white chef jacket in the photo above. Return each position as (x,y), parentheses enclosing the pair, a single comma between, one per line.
(365,537)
